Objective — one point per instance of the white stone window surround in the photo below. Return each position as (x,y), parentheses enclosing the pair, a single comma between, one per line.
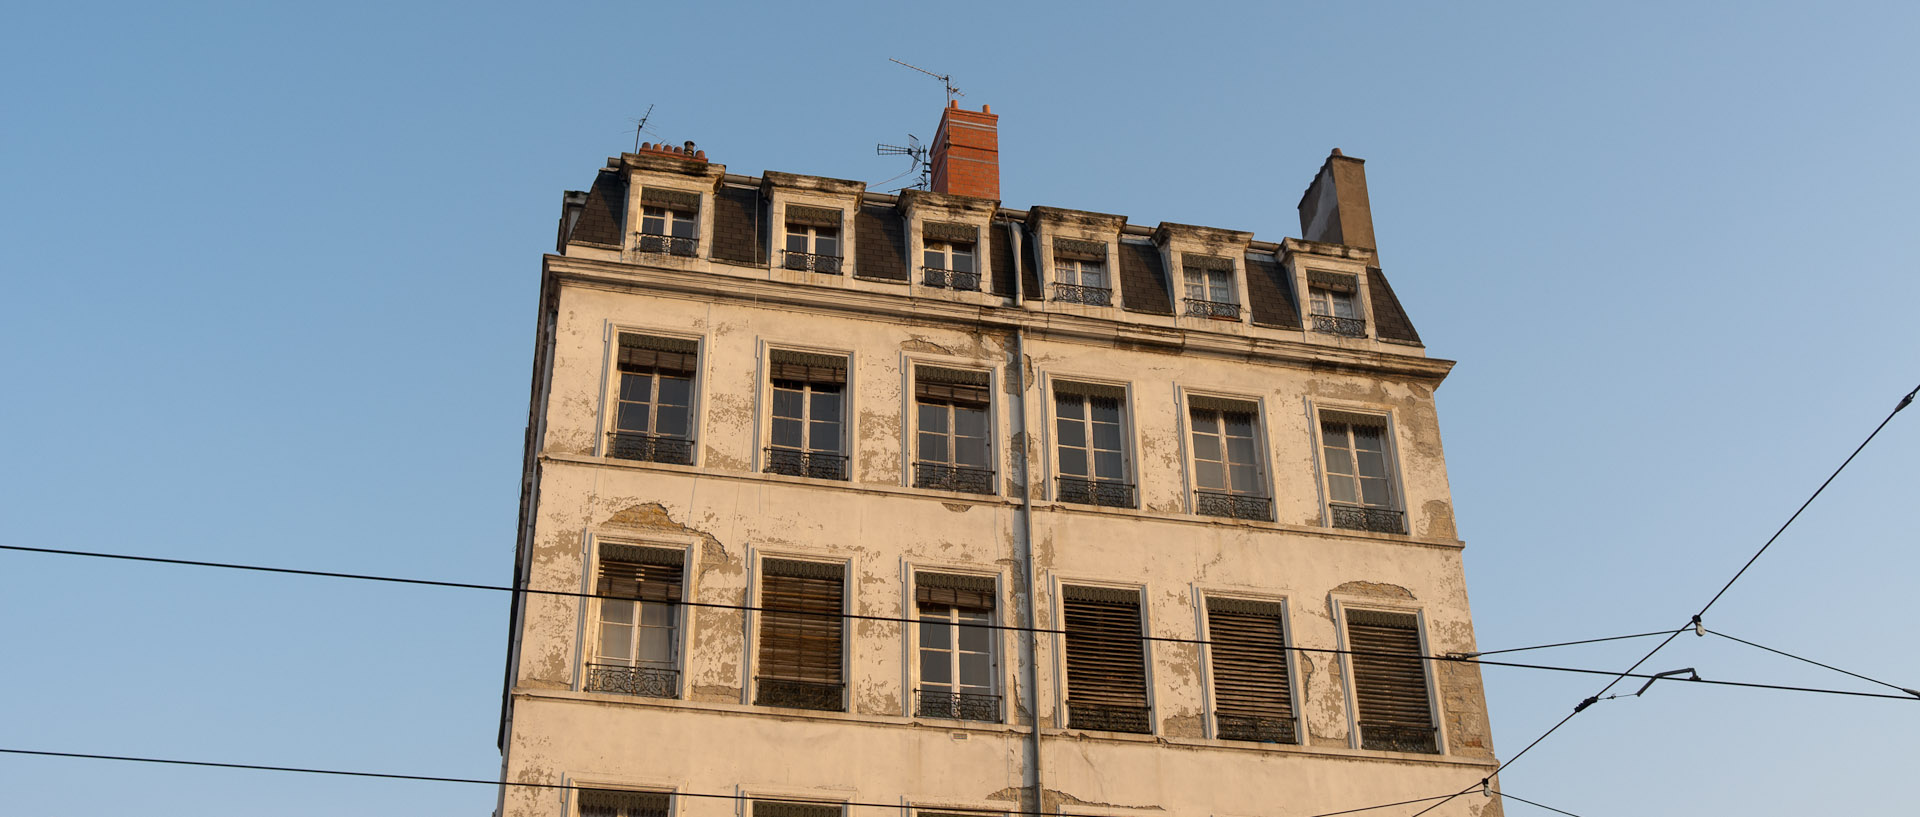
(1057,582)
(605,419)
(1201,594)
(1052,381)
(1002,639)
(784,190)
(1207,245)
(587,616)
(763,400)
(570,795)
(910,364)
(1262,442)
(1316,409)
(1341,603)
(638,181)
(919,209)
(1047,226)
(750,661)
(746,795)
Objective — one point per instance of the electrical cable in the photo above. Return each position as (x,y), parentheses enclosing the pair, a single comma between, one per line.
(1815,663)
(1535,805)
(1563,644)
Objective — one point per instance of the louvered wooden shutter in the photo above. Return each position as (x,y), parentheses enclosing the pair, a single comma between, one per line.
(648,353)
(649,574)
(765,808)
(958,592)
(950,385)
(1391,690)
(801,627)
(807,367)
(1106,665)
(604,803)
(1248,649)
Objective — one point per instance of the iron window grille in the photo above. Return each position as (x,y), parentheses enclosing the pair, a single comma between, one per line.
(1079,294)
(1399,738)
(1226,460)
(941,278)
(1360,490)
(815,464)
(790,694)
(1344,327)
(1256,728)
(1103,493)
(1360,517)
(1390,682)
(811,262)
(1109,718)
(685,246)
(940,476)
(956,706)
(645,682)
(609,803)
(630,445)
(1233,506)
(802,643)
(1202,308)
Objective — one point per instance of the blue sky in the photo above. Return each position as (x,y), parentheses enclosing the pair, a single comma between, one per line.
(270,276)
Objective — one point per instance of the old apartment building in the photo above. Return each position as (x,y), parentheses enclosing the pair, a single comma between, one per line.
(850,503)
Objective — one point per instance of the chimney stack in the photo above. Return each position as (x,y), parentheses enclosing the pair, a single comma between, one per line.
(966,152)
(1335,209)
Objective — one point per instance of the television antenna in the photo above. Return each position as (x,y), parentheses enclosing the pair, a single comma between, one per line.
(640,126)
(946,79)
(913,150)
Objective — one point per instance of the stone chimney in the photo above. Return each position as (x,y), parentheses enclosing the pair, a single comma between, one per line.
(1335,209)
(966,152)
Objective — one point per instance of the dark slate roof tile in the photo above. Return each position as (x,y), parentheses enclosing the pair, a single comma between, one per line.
(1030,268)
(1270,293)
(736,226)
(1143,279)
(882,243)
(606,211)
(1390,321)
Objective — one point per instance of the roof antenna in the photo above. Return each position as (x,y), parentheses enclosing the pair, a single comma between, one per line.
(641,127)
(912,149)
(947,79)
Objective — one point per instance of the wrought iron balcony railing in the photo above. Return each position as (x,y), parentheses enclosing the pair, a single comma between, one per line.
(1076,294)
(633,445)
(959,706)
(1101,492)
(816,464)
(1344,327)
(815,262)
(1225,310)
(1257,728)
(1421,739)
(950,279)
(1378,520)
(667,244)
(782,692)
(1233,506)
(1106,718)
(647,682)
(942,476)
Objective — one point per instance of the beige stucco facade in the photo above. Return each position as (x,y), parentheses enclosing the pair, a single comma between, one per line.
(710,743)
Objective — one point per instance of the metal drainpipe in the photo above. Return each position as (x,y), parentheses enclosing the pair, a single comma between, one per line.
(1025,542)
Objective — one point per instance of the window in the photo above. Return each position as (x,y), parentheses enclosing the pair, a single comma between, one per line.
(956,648)
(813,239)
(1106,662)
(1080,272)
(639,643)
(1390,682)
(606,803)
(669,222)
(807,432)
(1335,312)
(951,450)
(1210,289)
(1360,493)
(653,412)
(1226,462)
(948,255)
(1252,693)
(801,636)
(1090,437)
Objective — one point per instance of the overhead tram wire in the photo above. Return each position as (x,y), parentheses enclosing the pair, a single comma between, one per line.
(1563,644)
(1507,796)
(1594,698)
(1914,693)
(1458,659)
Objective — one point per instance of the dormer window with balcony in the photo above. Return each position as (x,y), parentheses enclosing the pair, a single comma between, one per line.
(1080,273)
(949,256)
(1335,305)
(669,222)
(813,240)
(1209,287)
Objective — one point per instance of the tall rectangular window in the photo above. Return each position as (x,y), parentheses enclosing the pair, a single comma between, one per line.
(808,422)
(802,629)
(1080,272)
(957,666)
(1360,493)
(1090,436)
(951,450)
(1247,647)
(813,239)
(1331,299)
(653,410)
(639,639)
(610,803)
(1106,660)
(1226,459)
(1390,682)
(1209,287)
(669,222)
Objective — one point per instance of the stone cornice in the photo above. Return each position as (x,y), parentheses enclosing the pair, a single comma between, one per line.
(812,184)
(698,285)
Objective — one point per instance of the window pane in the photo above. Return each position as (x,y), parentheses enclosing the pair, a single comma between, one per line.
(675,391)
(1206,447)
(1064,273)
(653,614)
(933,447)
(975,669)
(1239,424)
(969,422)
(1239,450)
(1105,410)
(1320,305)
(672,421)
(826,406)
(615,642)
(1376,492)
(827,242)
(974,639)
(1107,465)
(1372,464)
(656,645)
(1073,462)
(786,432)
(636,386)
(1206,422)
(1218,287)
(1338,461)
(786,403)
(1244,479)
(1343,305)
(1196,286)
(683,225)
(1073,433)
(934,258)
(1209,476)
(616,612)
(1092,274)
(970,451)
(963,257)
(653,223)
(933,418)
(1367,438)
(633,417)
(797,242)
(1340,489)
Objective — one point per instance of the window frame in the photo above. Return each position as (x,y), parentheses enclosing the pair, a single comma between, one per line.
(1063,687)
(753,623)
(609,411)
(1053,387)
(1262,450)
(998,654)
(951,277)
(767,398)
(588,632)
(1295,692)
(1317,417)
(1341,606)
(573,807)
(910,408)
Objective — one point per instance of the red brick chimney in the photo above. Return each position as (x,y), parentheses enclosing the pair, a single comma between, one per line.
(966,152)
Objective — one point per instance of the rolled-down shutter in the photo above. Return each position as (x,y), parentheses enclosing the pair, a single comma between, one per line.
(800,624)
(1106,665)
(959,592)
(649,574)
(1248,650)
(648,353)
(1391,690)
(807,367)
(950,385)
(605,803)
(774,808)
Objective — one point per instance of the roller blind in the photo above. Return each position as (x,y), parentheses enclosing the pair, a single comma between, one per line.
(1389,682)
(1106,665)
(657,354)
(801,629)
(649,574)
(1248,650)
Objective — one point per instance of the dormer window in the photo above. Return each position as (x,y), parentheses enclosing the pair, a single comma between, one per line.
(813,239)
(669,222)
(1080,272)
(1210,289)
(1335,309)
(948,256)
